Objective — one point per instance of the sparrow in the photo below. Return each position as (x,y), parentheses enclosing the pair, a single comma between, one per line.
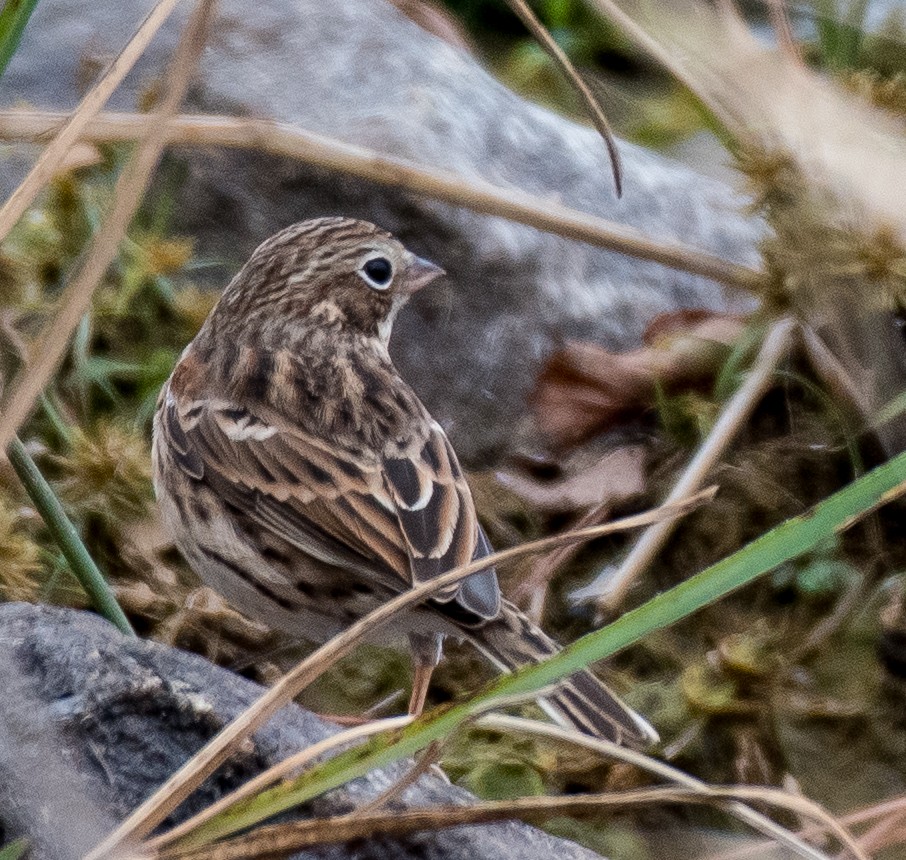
(304,480)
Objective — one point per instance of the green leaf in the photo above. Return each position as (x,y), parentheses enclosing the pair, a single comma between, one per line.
(66,536)
(789,540)
(505,780)
(13,18)
(14,850)
(893,409)
(825,577)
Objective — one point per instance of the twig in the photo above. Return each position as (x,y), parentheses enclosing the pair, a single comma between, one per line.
(429,756)
(53,341)
(555,52)
(179,786)
(50,159)
(610,588)
(275,774)
(66,536)
(475,194)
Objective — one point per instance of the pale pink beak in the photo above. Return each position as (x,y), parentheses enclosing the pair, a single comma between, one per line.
(421,273)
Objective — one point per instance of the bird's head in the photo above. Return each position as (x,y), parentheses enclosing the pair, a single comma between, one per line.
(328,272)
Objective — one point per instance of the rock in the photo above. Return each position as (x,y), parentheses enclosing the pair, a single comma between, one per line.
(363,72)
(92,722)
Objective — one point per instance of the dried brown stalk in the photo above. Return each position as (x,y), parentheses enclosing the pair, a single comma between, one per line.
(799,805)
(555,52)
(893,808)
(53,340)
(783,31)
(52,156)
(147,816)
(281,840)
(475,194)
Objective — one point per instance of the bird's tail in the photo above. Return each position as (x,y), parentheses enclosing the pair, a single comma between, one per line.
(581,701)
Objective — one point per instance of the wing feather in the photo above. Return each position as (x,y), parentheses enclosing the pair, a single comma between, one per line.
(438,522)
(405,519)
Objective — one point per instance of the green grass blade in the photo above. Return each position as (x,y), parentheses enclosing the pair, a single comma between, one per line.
(66,536)
(13,18)
(787,541)
(14,850)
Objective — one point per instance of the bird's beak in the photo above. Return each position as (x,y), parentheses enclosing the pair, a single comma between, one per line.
(421,273)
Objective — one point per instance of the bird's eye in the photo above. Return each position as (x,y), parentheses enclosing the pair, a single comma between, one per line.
(378,272)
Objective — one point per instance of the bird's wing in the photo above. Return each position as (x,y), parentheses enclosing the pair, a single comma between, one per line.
(408,518)
(437,521)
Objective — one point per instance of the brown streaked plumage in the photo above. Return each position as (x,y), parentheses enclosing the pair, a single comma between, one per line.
(304,480)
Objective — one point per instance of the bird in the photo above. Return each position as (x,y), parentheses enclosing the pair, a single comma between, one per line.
(303,479)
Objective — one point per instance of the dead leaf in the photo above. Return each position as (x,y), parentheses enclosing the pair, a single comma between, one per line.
(595,487)
(615,477)
(585,389)
(693,322)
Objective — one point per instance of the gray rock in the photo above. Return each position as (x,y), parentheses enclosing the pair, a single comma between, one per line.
(93,722)
(363,72)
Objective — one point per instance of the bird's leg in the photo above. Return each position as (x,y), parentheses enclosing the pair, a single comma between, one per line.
(426,650)
(421,679)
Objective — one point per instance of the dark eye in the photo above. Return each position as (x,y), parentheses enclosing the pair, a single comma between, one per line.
(378,272)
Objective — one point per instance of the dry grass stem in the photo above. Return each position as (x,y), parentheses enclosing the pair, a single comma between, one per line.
(845,151)
(887,832)
(475,194)
(53,341)
(609,590)
(896,807)
(556,53)
(783,30)
(74,124)
(533,590)
(160,804)
(833,374)
(611,11)
(284,839)
(284,769)
(774,797)
(428,758)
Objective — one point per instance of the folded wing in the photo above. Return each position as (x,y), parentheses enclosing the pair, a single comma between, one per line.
(405,519)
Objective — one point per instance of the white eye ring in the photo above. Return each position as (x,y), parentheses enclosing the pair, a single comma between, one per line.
(377,272)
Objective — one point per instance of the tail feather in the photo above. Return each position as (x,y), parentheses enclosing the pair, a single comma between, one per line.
(581,701)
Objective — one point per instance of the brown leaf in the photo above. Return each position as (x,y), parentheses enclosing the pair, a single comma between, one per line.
(615,477)
(693,322)
(585,389)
